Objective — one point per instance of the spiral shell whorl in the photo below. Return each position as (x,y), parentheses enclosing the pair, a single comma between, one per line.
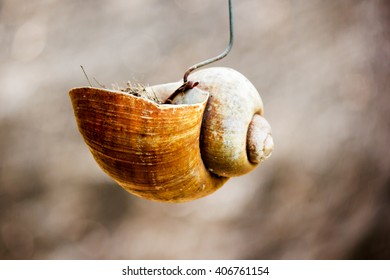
(259,140)
(232,105)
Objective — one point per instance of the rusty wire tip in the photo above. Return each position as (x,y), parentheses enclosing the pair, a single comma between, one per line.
(222,55)
(183,88)
(189,84)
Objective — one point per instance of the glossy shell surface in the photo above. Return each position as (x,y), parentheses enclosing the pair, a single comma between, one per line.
(150,150)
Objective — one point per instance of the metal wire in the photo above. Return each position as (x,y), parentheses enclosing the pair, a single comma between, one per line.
(222,55)
(189,84)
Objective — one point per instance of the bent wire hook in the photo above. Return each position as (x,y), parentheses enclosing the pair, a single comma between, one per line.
(222,55)
(188,84)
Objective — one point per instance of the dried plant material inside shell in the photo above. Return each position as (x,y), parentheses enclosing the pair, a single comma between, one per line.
(140,91)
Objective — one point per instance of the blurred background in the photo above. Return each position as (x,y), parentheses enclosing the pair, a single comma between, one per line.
(321,67)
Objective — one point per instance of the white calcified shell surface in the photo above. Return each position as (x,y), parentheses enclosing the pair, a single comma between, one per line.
(233,103)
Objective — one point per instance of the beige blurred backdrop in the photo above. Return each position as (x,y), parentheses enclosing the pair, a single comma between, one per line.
(321,67)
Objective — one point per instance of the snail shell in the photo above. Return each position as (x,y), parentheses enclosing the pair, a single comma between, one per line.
(181,151)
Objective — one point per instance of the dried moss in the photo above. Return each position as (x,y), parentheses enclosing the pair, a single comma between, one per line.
(139,90)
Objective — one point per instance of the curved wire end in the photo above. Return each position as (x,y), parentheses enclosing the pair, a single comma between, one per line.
(188,84)
(222,55)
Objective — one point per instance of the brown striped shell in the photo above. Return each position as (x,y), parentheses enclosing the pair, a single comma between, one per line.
(181,151)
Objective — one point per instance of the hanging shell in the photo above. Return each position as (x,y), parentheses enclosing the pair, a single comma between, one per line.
(177,152)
